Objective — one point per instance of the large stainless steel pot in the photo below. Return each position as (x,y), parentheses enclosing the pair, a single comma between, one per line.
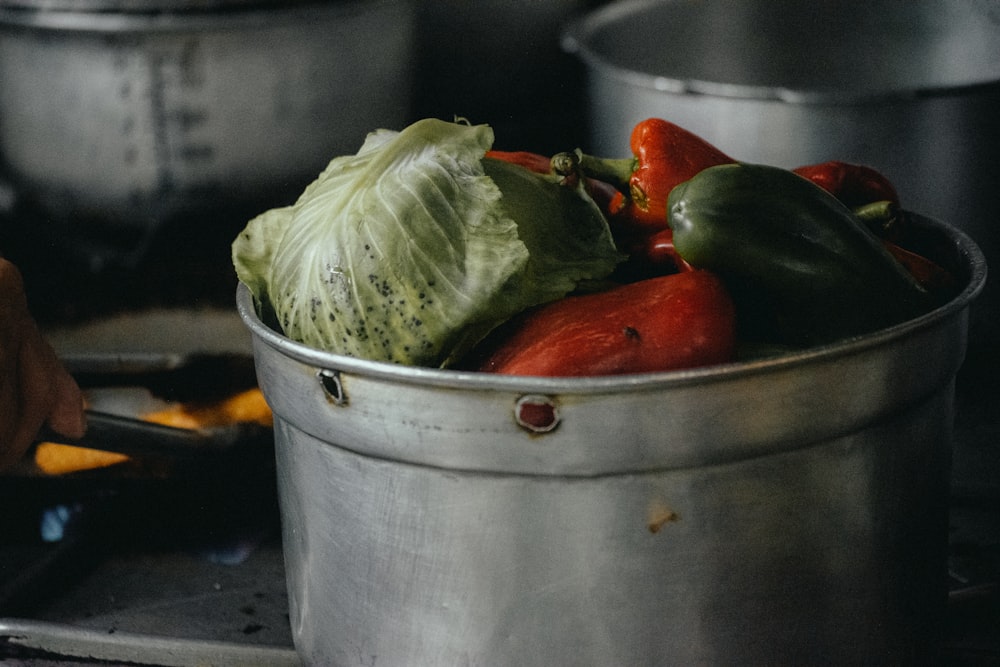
(125,117)
(788,511)
(144,6)
(911,88)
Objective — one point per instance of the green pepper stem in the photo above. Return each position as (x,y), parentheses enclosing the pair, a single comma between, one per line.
(616,171)
(565,164)
(881,217)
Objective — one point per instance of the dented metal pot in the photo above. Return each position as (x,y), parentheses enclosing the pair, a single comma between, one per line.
(786,511)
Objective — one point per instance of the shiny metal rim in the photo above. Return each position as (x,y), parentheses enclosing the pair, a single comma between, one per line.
(99,16)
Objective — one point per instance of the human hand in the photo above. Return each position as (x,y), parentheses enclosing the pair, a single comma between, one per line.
(34,385)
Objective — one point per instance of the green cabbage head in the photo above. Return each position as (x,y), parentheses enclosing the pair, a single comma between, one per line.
(414,248)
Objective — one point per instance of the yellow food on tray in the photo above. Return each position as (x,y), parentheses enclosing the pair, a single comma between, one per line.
(55,459)
(245,407)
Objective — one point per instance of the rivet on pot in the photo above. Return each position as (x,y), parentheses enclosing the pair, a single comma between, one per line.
(329,380)
(536,413)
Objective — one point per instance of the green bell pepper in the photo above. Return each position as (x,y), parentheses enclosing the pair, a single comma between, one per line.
(802,268)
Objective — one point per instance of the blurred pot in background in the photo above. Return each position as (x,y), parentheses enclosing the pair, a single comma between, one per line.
(499,63)
(119,115)
(908,88)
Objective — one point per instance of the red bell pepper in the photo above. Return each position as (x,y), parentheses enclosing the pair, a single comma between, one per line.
(540,164)
(931,275)
(876,202)
(853,184)
(670,322)
(663,156)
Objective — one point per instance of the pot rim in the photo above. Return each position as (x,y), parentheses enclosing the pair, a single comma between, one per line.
(573,41)
(974,262)
(181,15)
(137,6)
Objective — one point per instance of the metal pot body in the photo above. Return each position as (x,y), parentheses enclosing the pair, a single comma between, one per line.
(131,118)
(802,557)
(908,88)
(785,511)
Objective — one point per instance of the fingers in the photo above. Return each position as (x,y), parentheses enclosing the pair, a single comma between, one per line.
(48,392)
(36,398)
(9,414)
(34,385)
(12,312)
(67,415)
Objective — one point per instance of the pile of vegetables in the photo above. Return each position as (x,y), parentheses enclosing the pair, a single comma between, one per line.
(430,248)
(416,247)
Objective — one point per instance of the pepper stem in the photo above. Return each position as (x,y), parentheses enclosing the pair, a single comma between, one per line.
(616,171)
(881,217)
(565,164)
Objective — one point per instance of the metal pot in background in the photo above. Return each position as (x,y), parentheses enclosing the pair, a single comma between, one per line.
(910,88)
(142,6)
(115,120)
(787,511)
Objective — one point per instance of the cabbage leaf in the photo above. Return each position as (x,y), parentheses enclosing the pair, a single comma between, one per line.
(414,248)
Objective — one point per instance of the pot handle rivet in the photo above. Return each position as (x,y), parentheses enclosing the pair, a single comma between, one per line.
(536,413)
(332,386)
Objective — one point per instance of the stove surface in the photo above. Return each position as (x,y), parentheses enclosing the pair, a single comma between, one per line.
(39,644)
(149,574)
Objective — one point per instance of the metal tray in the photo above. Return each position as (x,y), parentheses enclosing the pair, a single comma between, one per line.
(54,644)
